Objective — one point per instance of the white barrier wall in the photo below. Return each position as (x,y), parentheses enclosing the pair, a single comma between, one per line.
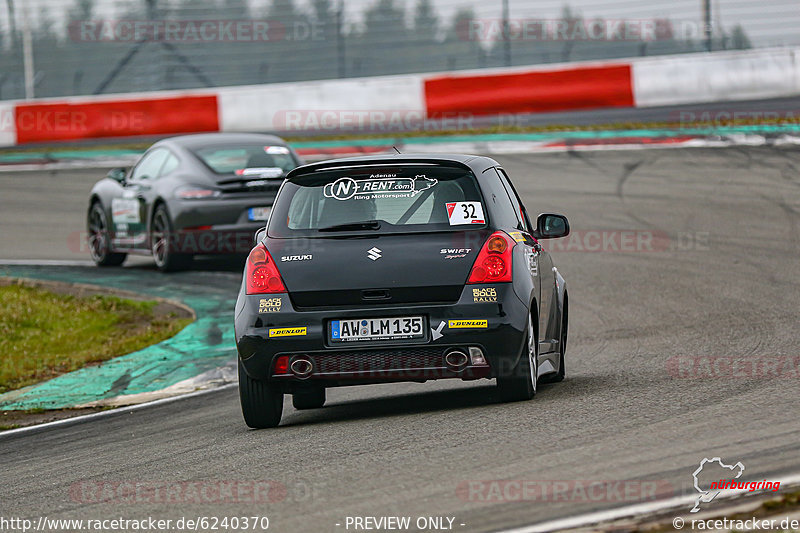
(716,77)
(8,132)
(268,107)
(651,81)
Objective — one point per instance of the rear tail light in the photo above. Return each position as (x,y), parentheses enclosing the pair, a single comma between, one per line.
(196,193)
(262,273)
(494,260)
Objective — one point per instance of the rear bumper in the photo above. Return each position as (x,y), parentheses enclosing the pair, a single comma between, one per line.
(219,226)
(498,335)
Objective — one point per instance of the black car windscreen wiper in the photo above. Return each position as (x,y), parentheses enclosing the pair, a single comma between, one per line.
(350,226)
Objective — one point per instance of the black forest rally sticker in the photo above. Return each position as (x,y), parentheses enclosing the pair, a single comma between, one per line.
(269,305)
(487,295)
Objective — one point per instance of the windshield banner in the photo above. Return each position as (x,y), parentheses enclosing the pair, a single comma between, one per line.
(378,186)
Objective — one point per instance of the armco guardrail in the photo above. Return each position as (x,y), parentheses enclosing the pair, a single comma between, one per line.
(640,82)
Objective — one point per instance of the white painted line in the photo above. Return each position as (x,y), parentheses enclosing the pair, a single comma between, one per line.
(78,164)
(111,412)
(45,262)
(627,511)
(604,516)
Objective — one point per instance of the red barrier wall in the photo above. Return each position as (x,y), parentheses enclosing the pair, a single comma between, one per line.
(528,92)
(61,121)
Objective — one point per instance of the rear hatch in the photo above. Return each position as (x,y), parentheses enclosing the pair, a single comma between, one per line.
(380,270)
(385,235)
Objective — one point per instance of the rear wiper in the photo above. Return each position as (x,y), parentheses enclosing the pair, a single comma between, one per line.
(350,226)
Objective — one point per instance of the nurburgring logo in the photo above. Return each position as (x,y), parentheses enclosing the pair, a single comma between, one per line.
(724,483)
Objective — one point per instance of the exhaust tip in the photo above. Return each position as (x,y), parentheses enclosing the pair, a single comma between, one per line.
(456,360)
(302,367)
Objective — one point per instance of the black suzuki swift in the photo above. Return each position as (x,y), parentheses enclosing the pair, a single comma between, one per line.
(398,268)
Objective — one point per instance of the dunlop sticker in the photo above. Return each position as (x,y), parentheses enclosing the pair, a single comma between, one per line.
(269,305)
(287,332)
(517,236)
(464,324)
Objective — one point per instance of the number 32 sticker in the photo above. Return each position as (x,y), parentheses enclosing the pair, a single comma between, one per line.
(465,213)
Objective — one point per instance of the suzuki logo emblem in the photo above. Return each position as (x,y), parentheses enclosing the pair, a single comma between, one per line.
(374,253)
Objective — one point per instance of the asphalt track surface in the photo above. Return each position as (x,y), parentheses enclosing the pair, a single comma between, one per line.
(405,449)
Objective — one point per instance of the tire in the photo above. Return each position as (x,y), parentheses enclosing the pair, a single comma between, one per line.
(521,384)
(162,243)
(99,238)
(262,405)
(562,348)
(309,399)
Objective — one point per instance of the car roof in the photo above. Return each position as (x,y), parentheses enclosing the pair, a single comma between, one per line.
(472,162)
(200,140)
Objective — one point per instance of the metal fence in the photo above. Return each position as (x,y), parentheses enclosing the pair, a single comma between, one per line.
(78,47)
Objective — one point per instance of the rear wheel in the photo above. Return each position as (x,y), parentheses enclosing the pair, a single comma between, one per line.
(99,238)
(163,243)
(521,384)
(309,399)
(262,405)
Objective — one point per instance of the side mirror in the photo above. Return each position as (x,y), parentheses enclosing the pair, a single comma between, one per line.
(551,226)
(117,174)
(259,236)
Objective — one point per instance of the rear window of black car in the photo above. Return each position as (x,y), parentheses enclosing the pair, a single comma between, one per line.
(239,159)
(385,199)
